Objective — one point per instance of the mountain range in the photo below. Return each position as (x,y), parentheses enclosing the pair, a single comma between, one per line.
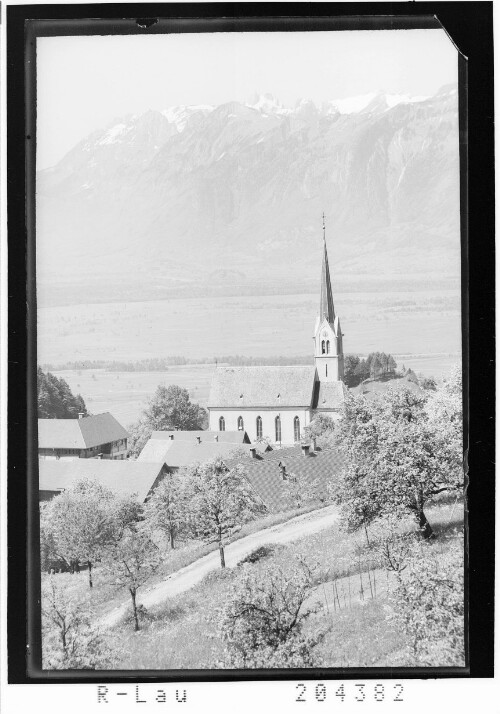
(228,200)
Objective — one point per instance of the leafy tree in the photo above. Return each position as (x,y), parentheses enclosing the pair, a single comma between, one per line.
(428,607)
(300,490)
(169,408)
(220,500)
(397,458)
(55,399)
(351,363)
(375,367)
(261,624)
(133,560)
(429,383)
(85,520)
(166,509)
(70,640)
(321,429)
(362,371)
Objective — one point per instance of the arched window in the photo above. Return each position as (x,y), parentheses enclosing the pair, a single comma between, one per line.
(326,370)
(259,427)
(322,347)
(296,429)
(328,347)
(222,424)
(277,428)
(240,423)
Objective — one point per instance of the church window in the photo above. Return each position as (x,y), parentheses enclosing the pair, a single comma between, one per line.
(277,428)
(259,427)
(328,347)
(240,423)
(326,370)
(296,429)
(322,347)
(222,424)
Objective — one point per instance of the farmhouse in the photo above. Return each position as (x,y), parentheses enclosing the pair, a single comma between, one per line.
(92,437)
(277,403)
(124,478)
(268,473)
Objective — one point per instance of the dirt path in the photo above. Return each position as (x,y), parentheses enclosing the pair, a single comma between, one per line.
(191,575)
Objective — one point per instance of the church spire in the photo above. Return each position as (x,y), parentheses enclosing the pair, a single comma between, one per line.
(326,309)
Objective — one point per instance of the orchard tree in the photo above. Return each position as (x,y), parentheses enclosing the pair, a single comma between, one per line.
(321,429)
(70,640)
(220,500)
(85,520)
(261,624)
(132,561)
(396,459)
(300,490)
(168,409)
(166,509)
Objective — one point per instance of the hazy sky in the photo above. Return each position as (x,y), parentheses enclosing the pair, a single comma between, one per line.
(84,83)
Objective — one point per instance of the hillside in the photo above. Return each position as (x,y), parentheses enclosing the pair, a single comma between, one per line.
(228,200)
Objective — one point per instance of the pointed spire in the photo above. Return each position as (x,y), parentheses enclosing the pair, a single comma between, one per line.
(326,308)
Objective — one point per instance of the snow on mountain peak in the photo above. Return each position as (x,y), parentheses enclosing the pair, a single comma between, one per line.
(267,104)
(181,114)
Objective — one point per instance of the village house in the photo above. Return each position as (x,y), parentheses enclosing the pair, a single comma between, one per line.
(123,478)
(183,448)
(277,403)
(90,437)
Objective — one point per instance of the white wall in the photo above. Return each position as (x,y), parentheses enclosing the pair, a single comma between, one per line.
(268,416)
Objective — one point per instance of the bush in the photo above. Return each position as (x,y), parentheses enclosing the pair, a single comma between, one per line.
(263,551)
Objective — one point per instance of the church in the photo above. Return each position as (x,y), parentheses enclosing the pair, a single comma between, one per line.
(277,403)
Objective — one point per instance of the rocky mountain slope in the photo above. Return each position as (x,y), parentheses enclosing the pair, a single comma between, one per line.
(228,199)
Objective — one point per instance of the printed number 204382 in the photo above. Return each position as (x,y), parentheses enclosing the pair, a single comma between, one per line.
(356,692)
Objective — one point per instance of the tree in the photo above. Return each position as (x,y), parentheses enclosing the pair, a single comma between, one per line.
(168,409)
(429,383)
(362,371)
(166,509)
(55,399)
(428,606)
(132,560)
(220,500)
(84,520)
(321,430)
(261,625)
(351,363)
(69,639)
(396,459)
(300,490)
(375,367)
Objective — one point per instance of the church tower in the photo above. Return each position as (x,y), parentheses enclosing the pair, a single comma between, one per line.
(328,352)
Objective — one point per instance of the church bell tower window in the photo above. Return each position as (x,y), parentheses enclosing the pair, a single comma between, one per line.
(259,427)
(277,425)
(222,424)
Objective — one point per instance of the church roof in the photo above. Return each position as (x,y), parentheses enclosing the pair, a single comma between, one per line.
(326,309)
(271,387)
(329,395)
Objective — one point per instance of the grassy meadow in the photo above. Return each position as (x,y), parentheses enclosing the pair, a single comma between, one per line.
(352,595)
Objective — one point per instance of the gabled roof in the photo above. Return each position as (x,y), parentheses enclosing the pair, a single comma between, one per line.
(184,453)
(123,477)
(330,395)
(271,387)
(233,437)
(82,433)
(265,475)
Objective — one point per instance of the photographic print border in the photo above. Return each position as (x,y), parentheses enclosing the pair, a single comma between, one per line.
(469,25)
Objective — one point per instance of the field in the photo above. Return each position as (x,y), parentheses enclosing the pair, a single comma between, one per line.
(421,329)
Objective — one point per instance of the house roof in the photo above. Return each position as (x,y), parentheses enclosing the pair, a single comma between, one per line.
(82,433)
(184,453)
(266,476)
(329,395)
(123,477)
(274,387)
(234,437)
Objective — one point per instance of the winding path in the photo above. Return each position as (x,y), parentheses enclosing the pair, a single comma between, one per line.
(192,574)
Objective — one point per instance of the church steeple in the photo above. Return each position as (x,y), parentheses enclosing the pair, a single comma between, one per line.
(328,350)
(326,308)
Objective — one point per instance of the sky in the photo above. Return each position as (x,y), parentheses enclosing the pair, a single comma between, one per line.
(85,83)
